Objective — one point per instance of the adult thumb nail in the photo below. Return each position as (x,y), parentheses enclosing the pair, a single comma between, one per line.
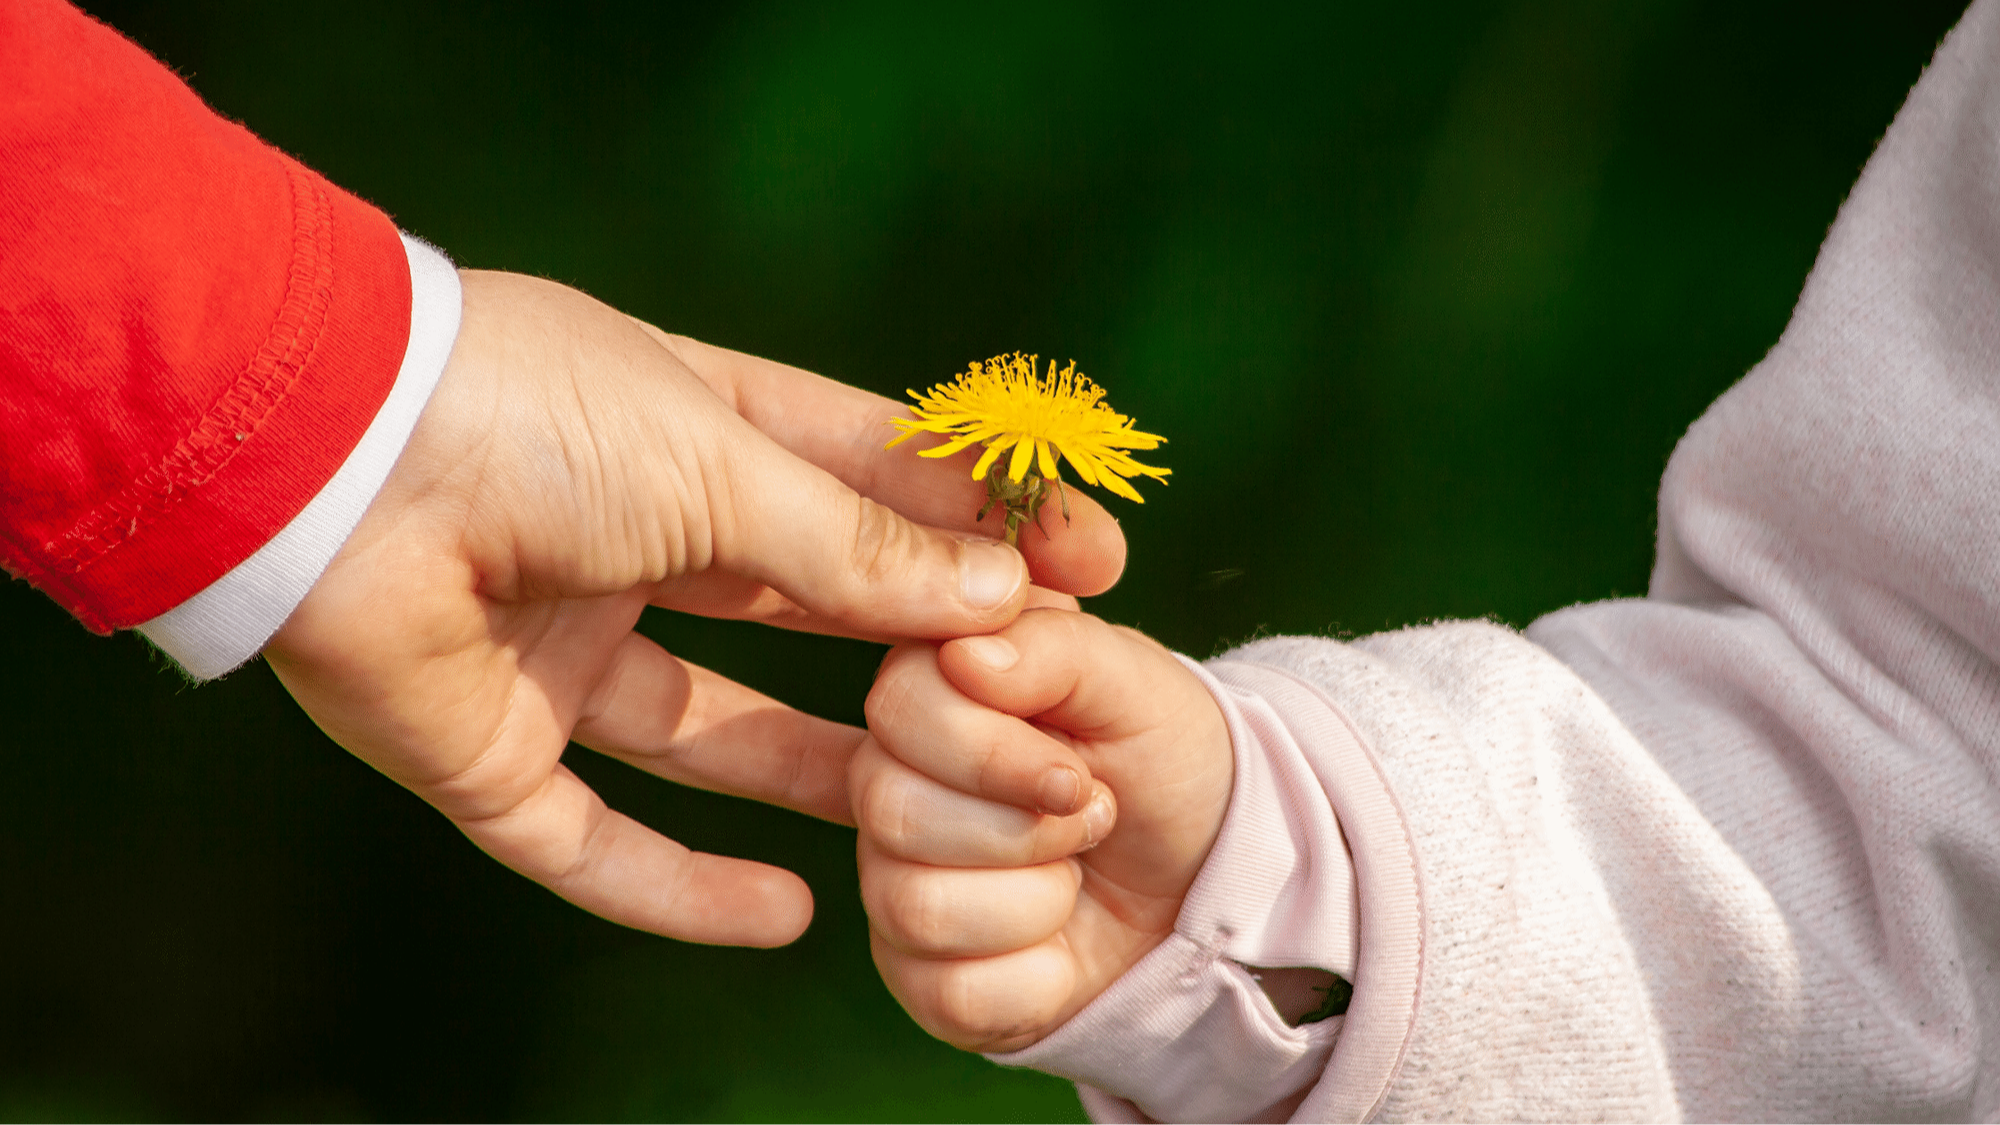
(989,574)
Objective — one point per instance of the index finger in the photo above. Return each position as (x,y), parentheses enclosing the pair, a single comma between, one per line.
(733,597)
(929,725)
(687,724)
(842,429)
(912,817)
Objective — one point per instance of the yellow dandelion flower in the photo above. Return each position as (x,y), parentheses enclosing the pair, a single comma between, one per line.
(1033,420)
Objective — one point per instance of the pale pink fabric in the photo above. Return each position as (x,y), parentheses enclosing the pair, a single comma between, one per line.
(1730,852)
(1187,1033)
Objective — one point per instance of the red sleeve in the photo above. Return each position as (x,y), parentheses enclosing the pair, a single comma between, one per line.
(195,329)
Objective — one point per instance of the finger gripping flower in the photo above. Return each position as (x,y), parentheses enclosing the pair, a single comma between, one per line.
(1031,420)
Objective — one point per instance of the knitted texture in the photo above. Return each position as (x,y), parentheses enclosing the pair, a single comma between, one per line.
(1730,852)
(1531,1003)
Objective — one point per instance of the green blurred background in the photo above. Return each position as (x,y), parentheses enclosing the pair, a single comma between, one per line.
(1423,295)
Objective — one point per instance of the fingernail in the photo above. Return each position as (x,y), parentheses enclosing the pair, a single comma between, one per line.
(1097,820)
(1058,791)
(996,653)
(988,574)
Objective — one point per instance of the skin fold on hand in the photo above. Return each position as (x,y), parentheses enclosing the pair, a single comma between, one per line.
(574,466)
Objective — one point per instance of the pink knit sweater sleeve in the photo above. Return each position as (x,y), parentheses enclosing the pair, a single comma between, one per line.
(1188,1034)
(1727,852)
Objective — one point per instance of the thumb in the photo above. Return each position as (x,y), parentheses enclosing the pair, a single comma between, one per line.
(1091,679)
(846,558)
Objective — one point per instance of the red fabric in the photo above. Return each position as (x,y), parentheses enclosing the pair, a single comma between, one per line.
(195,329)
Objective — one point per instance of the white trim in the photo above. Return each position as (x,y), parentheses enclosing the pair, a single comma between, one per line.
(226,624)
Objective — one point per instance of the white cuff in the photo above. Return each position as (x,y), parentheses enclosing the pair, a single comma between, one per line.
(227,623)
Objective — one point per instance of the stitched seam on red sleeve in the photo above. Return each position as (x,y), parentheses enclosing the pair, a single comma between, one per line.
(196,458)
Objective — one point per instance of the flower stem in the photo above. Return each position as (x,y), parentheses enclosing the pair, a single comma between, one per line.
(1020,501)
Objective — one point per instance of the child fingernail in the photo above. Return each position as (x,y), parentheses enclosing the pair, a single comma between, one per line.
(994,652)
(1058,791)
(1097,820)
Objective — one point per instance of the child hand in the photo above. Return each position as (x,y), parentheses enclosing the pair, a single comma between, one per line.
(992,920)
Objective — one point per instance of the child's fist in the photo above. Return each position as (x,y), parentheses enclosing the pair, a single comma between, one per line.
(1033,806)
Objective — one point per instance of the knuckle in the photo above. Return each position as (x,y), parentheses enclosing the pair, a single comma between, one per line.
(1083,628)
(885,814)
(897,687)
(920,911)
(880,552)
(1133,637)
(890,697)
(969,1003)
(1005,769)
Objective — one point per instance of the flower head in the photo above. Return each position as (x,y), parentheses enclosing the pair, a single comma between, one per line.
(1003,405)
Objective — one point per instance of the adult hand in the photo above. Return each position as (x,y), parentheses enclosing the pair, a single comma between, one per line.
(574,466)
